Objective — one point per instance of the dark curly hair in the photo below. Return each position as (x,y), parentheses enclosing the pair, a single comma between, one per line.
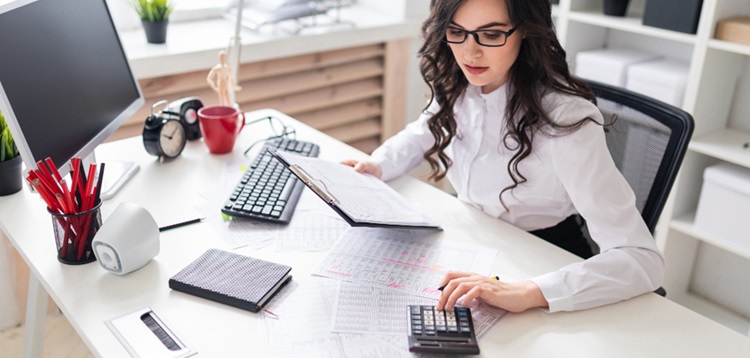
(539,68)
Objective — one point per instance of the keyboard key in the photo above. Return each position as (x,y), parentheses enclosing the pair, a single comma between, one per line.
(266,186)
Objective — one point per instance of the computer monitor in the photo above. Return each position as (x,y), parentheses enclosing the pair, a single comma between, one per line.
(65,82)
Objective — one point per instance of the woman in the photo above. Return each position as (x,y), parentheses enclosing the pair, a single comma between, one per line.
(522,140)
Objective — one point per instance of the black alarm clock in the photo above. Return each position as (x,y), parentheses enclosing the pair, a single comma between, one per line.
(163,135)
(186,111)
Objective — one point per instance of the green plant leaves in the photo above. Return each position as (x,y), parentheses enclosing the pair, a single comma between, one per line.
(8,149)
(152,10)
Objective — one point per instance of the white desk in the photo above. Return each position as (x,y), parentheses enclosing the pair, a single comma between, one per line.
(647,326)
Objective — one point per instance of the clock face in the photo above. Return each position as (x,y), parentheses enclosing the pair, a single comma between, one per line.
(172,138)
(191,115)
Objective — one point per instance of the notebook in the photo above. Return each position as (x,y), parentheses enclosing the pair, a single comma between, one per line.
(360,199)
(236,280)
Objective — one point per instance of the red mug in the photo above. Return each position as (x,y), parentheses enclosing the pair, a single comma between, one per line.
(220,126)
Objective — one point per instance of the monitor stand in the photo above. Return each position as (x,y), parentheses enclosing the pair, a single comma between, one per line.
(116,174)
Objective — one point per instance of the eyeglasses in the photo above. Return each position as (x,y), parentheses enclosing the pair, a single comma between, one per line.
(280,130)
(489,38)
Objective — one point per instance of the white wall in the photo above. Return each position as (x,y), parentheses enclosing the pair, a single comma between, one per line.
(417,91)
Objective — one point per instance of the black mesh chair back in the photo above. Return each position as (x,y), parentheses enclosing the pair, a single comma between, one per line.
(647,141)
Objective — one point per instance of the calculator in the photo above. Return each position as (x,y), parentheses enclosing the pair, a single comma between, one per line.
(434,331)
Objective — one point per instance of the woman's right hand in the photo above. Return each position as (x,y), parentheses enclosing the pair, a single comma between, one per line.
(365,167)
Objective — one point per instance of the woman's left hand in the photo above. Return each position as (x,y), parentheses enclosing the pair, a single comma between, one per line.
(513,297)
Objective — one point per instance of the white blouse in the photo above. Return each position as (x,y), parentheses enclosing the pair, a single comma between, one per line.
(567,174)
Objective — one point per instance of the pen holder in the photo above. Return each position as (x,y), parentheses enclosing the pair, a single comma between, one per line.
(74,233)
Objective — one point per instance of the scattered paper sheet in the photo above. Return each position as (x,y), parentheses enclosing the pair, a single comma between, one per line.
(302,329)
(407,261)
(386,313)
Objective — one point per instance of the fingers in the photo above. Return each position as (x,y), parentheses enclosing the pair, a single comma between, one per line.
(453,292)
(349,162)
(371,168)
(473,294)
(455,285)
(454,274)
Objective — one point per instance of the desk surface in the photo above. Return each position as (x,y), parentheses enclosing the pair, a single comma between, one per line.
(645,326)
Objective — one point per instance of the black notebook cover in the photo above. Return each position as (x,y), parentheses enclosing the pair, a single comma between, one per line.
(236,280)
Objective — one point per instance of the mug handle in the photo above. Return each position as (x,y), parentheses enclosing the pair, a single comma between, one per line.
(243,123)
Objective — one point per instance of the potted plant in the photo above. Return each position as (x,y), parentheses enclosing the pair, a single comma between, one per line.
(11,178)
(154,16)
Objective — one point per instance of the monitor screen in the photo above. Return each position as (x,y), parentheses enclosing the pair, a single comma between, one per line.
(65,81)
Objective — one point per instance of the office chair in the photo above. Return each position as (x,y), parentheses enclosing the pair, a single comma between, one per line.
(647,141)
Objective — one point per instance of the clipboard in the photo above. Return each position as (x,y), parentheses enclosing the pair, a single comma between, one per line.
(360,199)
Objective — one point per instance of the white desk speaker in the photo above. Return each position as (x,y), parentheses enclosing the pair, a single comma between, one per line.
(127,240)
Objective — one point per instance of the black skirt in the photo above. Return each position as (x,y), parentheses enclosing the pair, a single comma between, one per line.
(568,235)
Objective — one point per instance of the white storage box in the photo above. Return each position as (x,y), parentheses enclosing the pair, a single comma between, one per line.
(724,205)
(609,65)
(664,80)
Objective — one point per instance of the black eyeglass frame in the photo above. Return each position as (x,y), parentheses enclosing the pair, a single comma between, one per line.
(475,34)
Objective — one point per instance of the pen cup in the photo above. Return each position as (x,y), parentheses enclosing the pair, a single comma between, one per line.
(74,233)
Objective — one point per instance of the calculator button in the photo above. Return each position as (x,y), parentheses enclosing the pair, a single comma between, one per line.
(441,331)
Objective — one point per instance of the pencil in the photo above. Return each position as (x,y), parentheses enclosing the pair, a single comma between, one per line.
(181,224)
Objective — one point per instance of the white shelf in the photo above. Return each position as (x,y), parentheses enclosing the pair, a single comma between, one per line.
(714,64)
(629,24)
(725,144)
(686,225)
(727,46)
(713,311)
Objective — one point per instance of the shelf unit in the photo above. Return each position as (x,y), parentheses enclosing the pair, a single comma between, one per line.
(718,87)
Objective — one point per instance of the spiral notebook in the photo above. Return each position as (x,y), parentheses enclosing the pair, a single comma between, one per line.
(236,280)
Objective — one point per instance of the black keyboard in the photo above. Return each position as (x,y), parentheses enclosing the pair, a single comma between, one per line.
(434,331)
(267,190)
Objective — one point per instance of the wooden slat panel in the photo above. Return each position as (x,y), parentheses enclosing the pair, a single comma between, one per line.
(207,95)
(291,103)
(339,115)
(277,86)
(397,54)
(169,85)
(127,131)
(166,85)
(367,145)
(356,131)
(307,62)
(320,98)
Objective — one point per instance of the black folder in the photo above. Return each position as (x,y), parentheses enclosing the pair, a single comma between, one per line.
(361,200)
(236,280)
